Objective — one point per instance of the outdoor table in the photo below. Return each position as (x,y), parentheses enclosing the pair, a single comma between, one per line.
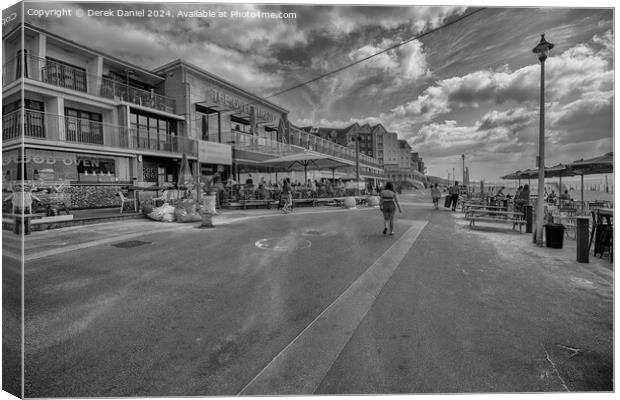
(134,191)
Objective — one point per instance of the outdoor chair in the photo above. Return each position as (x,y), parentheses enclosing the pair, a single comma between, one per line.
(126,200)
(567,217)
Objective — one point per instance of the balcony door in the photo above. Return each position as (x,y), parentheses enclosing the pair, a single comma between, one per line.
(64,75)
(83,126)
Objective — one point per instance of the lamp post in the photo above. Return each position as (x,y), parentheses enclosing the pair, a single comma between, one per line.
(357,164)
(541,50)
(463,158)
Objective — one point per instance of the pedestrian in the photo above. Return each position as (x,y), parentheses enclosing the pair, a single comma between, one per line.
(454,195)
(287,196)
(388,202)
(435,195)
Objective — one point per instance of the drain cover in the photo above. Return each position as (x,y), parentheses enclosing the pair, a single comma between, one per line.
(314,232)
(283,244)
(130,243)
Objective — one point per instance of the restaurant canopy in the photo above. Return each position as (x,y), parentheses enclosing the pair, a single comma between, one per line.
(305,159)
(598,165)
(558,170)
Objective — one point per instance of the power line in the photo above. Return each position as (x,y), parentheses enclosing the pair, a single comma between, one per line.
(374,55)
(459,19)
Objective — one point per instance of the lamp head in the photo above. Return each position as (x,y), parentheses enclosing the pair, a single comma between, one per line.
(542,48)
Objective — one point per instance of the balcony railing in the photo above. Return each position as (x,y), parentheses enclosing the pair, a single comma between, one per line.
(77,79)
(247,142)
(59,128)
(153,141)
(12,125)
(316,143)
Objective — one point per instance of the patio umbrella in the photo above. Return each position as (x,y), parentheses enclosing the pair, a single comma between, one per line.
(558,171)
(305,159)
(186,179)
(598,165)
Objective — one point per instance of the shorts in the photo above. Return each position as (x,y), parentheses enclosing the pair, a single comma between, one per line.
(389,209)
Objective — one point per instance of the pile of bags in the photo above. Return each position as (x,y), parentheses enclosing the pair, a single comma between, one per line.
(184,211)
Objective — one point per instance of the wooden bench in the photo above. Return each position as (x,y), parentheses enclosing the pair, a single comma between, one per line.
(514,218)
(311,201)
(258,203)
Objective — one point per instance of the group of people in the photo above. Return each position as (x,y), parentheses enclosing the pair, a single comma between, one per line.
(453,192)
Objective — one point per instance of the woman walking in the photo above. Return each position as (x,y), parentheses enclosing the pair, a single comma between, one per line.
(435,195)
(287,195)
(388,203)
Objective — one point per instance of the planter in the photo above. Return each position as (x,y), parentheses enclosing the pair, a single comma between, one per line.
(349,202)
(372,201)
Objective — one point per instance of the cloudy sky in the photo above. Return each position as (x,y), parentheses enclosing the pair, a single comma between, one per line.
(471,88)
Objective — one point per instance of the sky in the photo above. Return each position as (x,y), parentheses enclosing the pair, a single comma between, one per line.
(470,88)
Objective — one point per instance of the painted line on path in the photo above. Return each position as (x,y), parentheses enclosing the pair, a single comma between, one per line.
(301,366)
(79,246)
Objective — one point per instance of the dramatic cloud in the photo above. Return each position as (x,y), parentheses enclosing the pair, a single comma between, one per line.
(471,88)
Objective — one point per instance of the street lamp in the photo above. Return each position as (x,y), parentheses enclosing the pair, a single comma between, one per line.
(541,50)
(357,163)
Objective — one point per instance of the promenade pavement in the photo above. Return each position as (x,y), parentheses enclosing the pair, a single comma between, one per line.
(459,293)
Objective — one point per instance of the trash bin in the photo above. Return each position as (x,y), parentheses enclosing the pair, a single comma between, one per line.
(555,235)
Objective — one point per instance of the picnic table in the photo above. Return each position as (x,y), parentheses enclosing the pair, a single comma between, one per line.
(486,215)
(471,207)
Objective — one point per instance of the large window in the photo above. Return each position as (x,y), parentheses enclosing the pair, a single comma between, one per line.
(33,119)
(153,132)
(22,58)
(83,126)
(64,75)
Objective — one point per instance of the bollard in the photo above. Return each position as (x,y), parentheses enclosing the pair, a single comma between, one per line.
(207,220)
(582,236)
(529,217)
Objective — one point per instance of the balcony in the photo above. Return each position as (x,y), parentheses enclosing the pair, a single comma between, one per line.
(58,128)
(252,143)
(160,142)
(79,80)
(316,143)
(52,127)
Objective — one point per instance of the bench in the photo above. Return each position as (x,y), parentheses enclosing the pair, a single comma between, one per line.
(258,203)
(513,221)
(17,222)
(311,201)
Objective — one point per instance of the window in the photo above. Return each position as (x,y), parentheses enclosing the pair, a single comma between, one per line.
(33,119)
(153,132)
(22,58)
(83,126)
(94,169)
(64,75)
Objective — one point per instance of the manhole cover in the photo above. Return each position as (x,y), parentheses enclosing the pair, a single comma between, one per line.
(315,233)
(283,244)
(582,282)
(130,243)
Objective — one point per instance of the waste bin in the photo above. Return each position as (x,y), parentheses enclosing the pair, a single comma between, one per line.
(555,235)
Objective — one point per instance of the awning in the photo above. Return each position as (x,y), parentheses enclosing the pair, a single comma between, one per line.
(308,158)
(598,165)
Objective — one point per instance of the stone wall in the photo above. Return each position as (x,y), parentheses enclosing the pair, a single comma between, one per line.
(94,196)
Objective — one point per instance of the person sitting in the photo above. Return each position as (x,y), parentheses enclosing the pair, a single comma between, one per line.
(552,198)
(565,196)
(523,198)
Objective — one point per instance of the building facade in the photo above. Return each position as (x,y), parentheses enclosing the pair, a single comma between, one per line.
(72,114)
(93,123)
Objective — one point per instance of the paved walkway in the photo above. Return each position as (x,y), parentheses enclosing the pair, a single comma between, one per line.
(57,241)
